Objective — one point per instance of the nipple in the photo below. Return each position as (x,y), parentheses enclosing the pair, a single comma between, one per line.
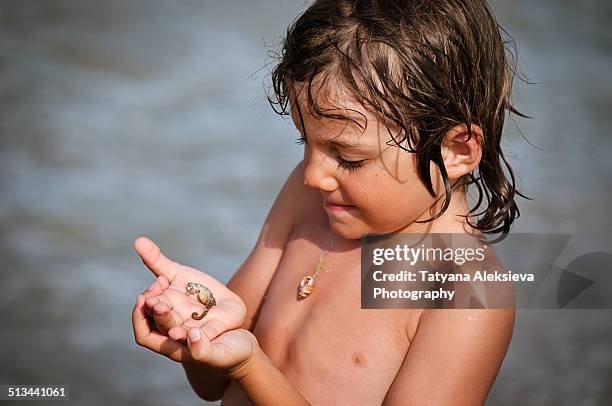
(357,358)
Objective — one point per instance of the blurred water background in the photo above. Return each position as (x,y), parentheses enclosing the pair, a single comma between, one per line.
(125,118)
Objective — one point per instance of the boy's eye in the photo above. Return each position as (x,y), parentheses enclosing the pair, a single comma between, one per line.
(342,163)
(350,165)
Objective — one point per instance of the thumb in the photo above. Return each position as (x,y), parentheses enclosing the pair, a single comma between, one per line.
(199,344)
(154,259)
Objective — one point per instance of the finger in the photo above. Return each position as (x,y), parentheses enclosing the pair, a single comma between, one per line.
(140,323)
(166,317)
(216,323)
(160,284)
(155,289)
(152,301)
(198,344)
(177,333)
(154,259)
(163,282)
(153,340)
(213,328)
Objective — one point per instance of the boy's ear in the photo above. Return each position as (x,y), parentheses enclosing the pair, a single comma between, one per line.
(459,154)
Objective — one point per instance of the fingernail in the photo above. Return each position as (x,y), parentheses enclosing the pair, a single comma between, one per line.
(194,334)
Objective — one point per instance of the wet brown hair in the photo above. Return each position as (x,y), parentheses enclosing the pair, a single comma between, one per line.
(423,67)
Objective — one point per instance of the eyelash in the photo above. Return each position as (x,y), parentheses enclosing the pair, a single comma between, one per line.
(342,163)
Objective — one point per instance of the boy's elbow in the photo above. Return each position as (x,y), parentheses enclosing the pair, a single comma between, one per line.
(210,397)
(207,386)
(209,394)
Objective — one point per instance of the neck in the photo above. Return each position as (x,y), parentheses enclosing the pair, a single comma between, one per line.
(451,221)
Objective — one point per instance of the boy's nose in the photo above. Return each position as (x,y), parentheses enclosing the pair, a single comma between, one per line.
(317,174)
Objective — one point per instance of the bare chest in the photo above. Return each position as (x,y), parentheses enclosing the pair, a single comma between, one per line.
(326,345)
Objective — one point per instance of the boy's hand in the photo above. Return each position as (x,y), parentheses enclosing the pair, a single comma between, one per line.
(228,353)
(217,340)
(171,308)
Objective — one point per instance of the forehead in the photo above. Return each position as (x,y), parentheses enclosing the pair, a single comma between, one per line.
(355,124)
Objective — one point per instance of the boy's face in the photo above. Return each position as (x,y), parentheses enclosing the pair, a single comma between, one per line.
(368,187)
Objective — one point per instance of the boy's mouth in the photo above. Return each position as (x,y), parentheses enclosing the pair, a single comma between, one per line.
(329,206)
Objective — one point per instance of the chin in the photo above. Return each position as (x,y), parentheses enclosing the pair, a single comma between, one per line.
(347,231)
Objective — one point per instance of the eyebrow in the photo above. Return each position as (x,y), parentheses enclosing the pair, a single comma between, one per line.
(337,141)
(340,142)
(343,143)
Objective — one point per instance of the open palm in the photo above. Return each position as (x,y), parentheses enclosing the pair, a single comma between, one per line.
(172,308)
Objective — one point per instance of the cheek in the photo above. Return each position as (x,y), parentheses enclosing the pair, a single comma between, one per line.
(392,195)
(399,165)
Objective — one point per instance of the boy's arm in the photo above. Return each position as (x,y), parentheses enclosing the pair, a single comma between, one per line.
(453,358)
(251,280)
(265,385)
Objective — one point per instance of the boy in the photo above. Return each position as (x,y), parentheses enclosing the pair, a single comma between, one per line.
(398,104)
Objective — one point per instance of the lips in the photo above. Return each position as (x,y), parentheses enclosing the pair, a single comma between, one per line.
(335,206)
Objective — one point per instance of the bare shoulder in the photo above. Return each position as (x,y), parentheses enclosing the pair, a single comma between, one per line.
(454,357)
(475,325)
(253,277)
